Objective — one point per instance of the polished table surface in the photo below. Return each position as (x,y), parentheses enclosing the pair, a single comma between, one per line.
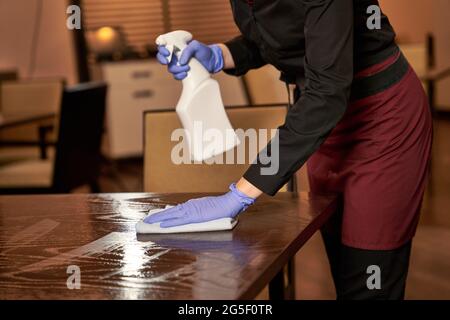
(43,236)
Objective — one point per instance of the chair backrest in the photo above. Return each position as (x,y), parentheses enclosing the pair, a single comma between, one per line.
(161,174)
(232,89)
(264,86)
(31,97)
(77,160)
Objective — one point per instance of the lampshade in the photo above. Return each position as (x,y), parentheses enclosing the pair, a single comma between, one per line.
(105,40)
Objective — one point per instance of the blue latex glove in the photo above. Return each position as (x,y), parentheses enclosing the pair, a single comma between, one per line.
(209,56)
(204,209)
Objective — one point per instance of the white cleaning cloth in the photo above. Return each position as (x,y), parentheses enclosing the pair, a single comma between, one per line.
(213,225)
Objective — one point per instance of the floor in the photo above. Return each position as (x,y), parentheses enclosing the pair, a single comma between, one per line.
(429,274)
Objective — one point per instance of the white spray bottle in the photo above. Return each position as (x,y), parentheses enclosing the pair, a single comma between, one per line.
(200,108)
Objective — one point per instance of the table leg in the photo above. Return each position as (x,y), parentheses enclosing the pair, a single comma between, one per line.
(282,286)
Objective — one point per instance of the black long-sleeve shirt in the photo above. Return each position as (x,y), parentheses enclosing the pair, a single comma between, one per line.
(318,45)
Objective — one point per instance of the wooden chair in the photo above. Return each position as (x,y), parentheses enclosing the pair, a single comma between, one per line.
(162,175)
(31,97)
(77,157)
(25,99)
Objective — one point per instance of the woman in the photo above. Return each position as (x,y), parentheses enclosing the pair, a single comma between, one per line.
(360,117)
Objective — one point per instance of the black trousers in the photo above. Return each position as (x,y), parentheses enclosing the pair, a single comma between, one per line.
(365,274)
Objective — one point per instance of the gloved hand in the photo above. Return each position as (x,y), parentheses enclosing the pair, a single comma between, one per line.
(204,209)
(209,56)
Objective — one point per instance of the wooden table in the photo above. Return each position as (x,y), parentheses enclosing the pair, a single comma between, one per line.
(45,239)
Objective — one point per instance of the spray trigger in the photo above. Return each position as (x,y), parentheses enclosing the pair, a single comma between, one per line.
(173,50)
(177,52)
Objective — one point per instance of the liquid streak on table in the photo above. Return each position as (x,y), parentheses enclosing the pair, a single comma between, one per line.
(46,239)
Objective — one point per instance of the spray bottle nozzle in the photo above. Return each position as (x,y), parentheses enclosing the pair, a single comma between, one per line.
(174,41)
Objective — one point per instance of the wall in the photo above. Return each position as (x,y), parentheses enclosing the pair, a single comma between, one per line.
(441,10)
(413,19)
(55,54)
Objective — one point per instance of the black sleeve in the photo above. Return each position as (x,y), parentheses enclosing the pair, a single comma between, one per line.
(245,55)
(328,78)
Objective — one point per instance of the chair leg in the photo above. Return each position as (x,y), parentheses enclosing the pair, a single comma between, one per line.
(42,133)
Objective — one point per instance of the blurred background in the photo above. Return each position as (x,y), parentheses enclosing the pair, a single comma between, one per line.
(74,106)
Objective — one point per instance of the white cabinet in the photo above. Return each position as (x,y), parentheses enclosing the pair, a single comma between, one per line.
(133,87)
(140,85)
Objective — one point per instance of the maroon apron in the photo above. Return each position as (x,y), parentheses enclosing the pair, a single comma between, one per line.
(377,157)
